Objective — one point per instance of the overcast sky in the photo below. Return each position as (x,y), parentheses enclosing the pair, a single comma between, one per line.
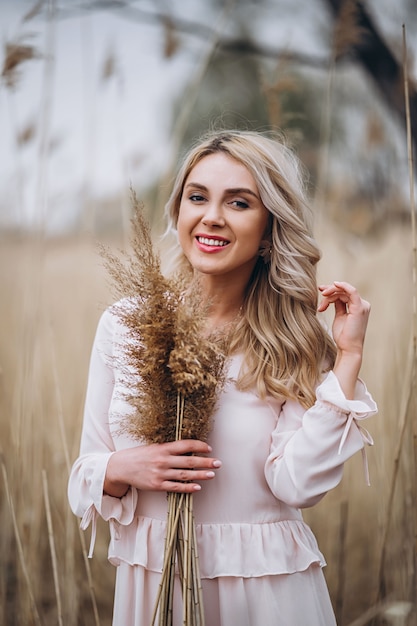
(103,134)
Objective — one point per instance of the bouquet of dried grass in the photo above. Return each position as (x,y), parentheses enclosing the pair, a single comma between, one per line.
(173,373)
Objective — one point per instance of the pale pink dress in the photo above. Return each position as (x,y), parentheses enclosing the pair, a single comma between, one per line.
(259,561)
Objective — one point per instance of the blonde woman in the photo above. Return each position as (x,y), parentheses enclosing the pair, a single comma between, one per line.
(286,420)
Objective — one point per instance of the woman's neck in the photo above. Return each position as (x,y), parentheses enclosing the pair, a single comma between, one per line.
(224,303)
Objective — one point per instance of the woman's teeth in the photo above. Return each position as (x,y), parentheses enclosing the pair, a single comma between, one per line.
(211,242)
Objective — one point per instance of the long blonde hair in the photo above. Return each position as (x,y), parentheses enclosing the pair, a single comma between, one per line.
(285,347)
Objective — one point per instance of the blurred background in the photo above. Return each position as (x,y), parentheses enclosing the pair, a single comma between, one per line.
(97,97)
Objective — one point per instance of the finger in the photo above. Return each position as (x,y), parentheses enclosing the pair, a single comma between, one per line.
(194,462)
(333,298)
(180,487)
(184,481)
(188,446)
(356,303)
(334,292)
(188,476)
(330,294)
(339,284)
(345,286)
(342,292)
(340,307)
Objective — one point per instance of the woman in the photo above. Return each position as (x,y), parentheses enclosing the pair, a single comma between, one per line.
(286,419)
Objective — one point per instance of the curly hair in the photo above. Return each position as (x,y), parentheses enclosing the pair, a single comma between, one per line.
(284,345)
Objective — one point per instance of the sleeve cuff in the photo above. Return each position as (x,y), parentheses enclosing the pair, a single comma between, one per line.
(330,392)
(122,510)
(362,406)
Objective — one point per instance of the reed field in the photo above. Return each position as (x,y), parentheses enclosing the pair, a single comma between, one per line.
(53,291)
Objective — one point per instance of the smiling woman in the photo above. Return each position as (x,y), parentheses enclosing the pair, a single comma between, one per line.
(221,223)
(286,419)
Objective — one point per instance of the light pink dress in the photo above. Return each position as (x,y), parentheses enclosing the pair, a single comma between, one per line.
(259,561)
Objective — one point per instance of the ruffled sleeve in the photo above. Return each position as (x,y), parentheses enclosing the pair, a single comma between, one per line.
(309,448)
(85,486)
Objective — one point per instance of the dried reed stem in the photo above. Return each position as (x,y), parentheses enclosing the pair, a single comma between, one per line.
(58,399)
(35,614)
(414,270)
(319,199)
(409,380)
(404,413)
(45,119)
(170,545)
(342,560)
(181,549)
(411,182)
(52,547)
(60,412)
(89,576)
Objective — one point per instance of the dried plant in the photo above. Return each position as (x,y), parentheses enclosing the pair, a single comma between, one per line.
(34,11)
(110,66)
(16,53)
(173,373)
(26,134)
(348,33)
(171,42)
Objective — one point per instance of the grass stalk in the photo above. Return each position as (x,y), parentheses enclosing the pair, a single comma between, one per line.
(404,413)
(171,543)
(411,184)
(52,547)
(45,119)
(341,579)
(319,200)
(58,399)
(35,614)
(61,421)
(89,577)
(414,277)
(180,552)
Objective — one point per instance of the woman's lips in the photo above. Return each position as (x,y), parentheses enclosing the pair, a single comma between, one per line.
(211,244)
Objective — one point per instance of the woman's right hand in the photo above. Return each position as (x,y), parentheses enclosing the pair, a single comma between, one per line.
(173,466)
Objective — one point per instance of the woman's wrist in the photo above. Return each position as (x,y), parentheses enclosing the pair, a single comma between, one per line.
(113,486)
(346,369)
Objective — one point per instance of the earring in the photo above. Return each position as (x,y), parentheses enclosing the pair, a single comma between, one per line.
(265,250)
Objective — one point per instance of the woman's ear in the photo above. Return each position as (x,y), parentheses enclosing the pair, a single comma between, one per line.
(265,250)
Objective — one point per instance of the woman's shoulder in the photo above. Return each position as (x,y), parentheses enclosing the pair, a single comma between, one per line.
(110,323)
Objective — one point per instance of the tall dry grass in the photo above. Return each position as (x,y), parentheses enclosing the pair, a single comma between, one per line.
(48,319)
(52,294)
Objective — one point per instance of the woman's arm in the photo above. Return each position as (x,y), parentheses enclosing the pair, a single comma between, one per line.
(309,448)
(349,328)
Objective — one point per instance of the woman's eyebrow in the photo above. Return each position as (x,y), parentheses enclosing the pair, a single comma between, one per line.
(242,190)
(196,186)
(233,190)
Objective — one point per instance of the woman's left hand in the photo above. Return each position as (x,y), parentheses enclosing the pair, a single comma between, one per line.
(351,316)
(349,327)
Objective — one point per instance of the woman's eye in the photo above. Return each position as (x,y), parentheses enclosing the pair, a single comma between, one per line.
(196,197)
(239,204)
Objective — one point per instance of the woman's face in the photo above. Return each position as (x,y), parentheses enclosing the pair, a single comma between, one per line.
(221,219)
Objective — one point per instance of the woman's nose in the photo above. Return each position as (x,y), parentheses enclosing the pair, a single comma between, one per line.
(213,215)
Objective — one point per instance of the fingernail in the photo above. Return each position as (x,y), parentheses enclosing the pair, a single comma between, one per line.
(210,448)
(217,463)
(197,487)
(210,474)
